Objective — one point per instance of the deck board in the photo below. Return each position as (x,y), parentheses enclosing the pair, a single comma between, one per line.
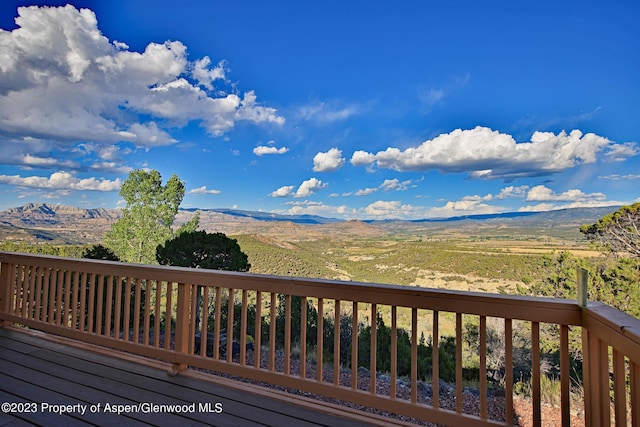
(33,369)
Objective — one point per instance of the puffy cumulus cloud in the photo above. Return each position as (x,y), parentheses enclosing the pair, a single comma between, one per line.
(306,189)
(309,187)
(389,209)
(330,161)
(489,154)
(261,150)
(541,193)
(284,191)
(203,190)
(62,181)
(62,80)
(511,191)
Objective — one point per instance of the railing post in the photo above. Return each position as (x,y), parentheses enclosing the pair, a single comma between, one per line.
(5,296)
(181,343)
(582,285)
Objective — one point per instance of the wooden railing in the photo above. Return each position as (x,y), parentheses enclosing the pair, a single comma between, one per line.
(153,311)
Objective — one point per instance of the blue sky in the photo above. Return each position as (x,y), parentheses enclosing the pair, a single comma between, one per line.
(390,110)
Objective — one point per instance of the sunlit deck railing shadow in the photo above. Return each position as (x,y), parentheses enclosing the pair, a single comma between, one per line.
(153,311)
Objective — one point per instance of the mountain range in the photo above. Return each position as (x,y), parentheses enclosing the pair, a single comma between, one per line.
(68,224)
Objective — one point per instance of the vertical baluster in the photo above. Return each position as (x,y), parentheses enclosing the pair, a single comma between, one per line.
(287,334)
(394,352)
(168,316)
(147,312)
(45,287)
(243,328)
(83,279)
(65,316)
(119,284)
(36,305)
(195,291)
(634,379)
(319,343)
(204,322)
(564,375)
(303,337)
(100,304)
(216,324)
(619,389)
(508,368)
(535,374)
(354,346)
(414,355)
(257,342)
(91,281)
(61,306)
(459,396)
(109,281)
(435,361)
(157,313)
(127,307)
(373,349)
(74,284)
(336,344)
(272,332)
(230,318)
(483,367)
(136,310)
(604,378)
(29,309)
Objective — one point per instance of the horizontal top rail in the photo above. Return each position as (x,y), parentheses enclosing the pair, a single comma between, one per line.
(528,308)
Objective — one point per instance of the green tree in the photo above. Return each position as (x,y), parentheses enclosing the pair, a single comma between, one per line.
(147,218)
(100,252)
(199,249)
(618,232)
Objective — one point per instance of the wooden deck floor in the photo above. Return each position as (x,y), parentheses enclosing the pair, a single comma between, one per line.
(37,374)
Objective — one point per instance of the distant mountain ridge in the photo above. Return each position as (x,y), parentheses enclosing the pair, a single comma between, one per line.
(37,222)
(43,212)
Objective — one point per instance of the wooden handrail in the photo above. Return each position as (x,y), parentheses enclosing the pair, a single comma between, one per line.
(129,306)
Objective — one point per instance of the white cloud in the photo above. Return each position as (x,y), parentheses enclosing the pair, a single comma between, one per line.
(395,185)
(330,161)
(264,149)
(511,191)
(62,80)
(306,189)
(284,191)
(621,152)
(203,190)
(541,193)
(323,113)
(317,208)
(618,177)
(489,154)
(389,209)
(309,187)
(468,205)
(365,192)
(62,181)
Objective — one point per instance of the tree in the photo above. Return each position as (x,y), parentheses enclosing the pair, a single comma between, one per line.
(100,252)
(617,232)
(147,218)
(199,249)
